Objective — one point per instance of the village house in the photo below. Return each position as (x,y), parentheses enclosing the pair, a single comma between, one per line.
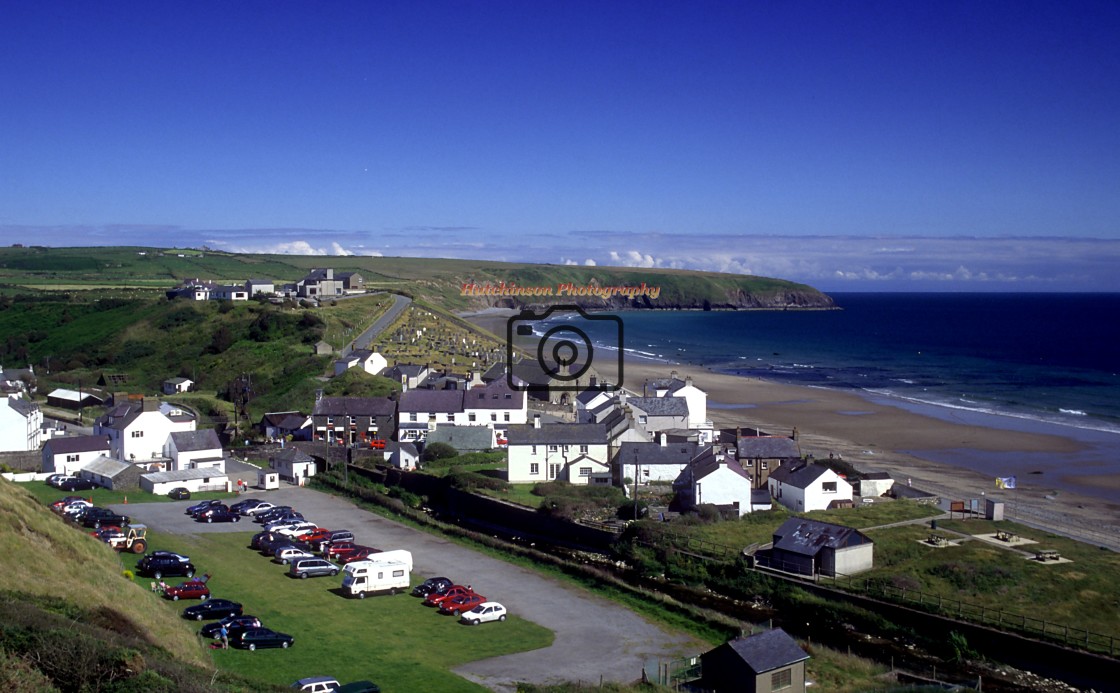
(138,429)
(64,398)
(761,663)
(279,425)
(14,381)
(369,361)
(653,414)
(409,375)
(806,487)
(810,547)
(112,474)
(195,450)
(358,421)
(352,282)
(695,398)
(761,455)
(293,465)
(69,454)
(715,477)
(576,453)
(259,286)
(21,424)
(319,283)
(648,462)
(403,456)
(175,386)
(420,411)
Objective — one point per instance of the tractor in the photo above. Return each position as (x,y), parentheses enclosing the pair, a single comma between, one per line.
(133,539)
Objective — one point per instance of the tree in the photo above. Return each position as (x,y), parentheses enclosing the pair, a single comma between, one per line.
(439,451)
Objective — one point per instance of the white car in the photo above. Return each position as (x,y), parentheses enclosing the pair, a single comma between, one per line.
(486,611)
(296,528)
(260,509)
(287,555)
(75,507)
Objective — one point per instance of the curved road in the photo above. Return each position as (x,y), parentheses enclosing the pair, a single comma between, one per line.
(595,638)
(363,340)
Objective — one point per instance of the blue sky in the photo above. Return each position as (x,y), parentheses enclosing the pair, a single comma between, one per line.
(850,145)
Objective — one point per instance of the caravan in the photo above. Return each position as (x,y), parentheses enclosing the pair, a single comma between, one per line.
(387,571)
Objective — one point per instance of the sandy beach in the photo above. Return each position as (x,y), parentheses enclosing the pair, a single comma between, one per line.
(877,437)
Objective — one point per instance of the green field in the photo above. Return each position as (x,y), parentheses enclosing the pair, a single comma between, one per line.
(392,640)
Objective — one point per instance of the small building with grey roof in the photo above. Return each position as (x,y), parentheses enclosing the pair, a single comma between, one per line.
(69,454)
(194,480)
(811,547)
(113,474)
(759,663)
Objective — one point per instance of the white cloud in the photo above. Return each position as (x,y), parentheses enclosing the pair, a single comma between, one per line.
(633,258)
(589,262)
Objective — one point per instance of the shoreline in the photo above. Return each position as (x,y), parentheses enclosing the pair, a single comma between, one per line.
(951,454)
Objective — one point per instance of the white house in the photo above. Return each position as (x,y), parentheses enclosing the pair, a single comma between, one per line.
(194,480)
(69,454)
(259,286)
(138,430)
(495,405)
(293,465)
(175,386)
(715,478)
(576,453)
(656,461)
(369,361)
(401,455)
(21,424)
(225,292)
(419,411)
(653,414)
(195,450)
(805,487)
(697,399)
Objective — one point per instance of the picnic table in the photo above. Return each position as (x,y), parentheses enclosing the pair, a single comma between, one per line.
(1009,537)
(937,540)
(1047,555)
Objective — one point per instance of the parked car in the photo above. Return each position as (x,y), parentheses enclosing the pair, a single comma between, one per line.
(59,504)
(287,553)
(451,593)
(209,510)
(314,536)
(264,510)
(312,567)
(361,554)
(255,638)
(287,522)
(438,585)
(278,541)
(191,589)
(57,479)
(78,485)
(219,516)
(215,608)
(161,563)
(342,549)
(486,611)
(74,508)
(335,537)
(108,533)
(457,605)
(201,505)
(244,506)
(232,623)
(359,687)
(97,518)
(317,684)
(179,493)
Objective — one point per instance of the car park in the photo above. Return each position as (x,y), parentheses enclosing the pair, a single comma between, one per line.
(160,564)
(437,585)
(191,589)
(200,506)
(451,593)
(78,485)
(232,623)
(457,605)
(286,554)
(286,521)
(317,684)
(486,611)
(312,567)
(215,608)
(212,516)
(278,541)
(179,493)
(257,638)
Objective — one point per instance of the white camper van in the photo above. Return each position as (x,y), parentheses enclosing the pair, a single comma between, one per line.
(383,572)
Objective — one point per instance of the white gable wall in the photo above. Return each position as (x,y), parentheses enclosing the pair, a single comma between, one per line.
(723,487)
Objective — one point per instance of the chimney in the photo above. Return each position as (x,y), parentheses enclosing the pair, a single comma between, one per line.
(688,381)
(536,420)
(431,422)
(318,395)
(794,436)
(673,375)
(663,439)
(151,404)
(594,382)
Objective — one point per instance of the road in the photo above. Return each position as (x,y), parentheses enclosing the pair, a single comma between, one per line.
(366,338)
(595,638)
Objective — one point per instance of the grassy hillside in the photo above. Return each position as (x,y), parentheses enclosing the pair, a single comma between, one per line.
(70,620)
(438,280)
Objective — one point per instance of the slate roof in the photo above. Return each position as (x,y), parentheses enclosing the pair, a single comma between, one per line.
(660,406)
(22,406)
(284,419)
(106,466)
(710,464)
(434,401)
(669,384)
(178,381)
(807,537)
(768,651)
(768,447)
(292,456)
(192,441)
(72,444)
(354,406)
(184,475)
(798,476)
(655,453)
(405,448)
(462,438)
(496,395)
(74,395)
(877,476)
(557,434)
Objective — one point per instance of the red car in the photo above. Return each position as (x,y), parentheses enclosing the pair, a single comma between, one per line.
(314,536)
(460,604)
(341,550)
(360,555)
(455,591)
(191,589)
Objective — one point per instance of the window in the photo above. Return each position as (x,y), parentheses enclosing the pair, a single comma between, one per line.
(71,458)
(471,418)
(585,471)
(493,417)
(828,486)
(509,396)
(781,679)
(534,469)
(505,417)
(643,419)
(583,449)
(553,470)
(553,448)
(748,462)
(330,420)
(137,434)
(764,464)
(412,416)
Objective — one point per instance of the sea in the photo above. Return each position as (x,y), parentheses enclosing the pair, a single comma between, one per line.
(1039,362)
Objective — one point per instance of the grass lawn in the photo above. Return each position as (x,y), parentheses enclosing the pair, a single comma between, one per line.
(521,494)
(392,640)
(104,496)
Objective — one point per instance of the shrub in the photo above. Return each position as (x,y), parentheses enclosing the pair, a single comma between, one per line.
(439,451)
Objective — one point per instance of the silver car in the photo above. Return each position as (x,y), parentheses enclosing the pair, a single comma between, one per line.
(312,567)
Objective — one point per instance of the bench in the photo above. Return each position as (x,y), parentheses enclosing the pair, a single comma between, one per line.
(1007,536)
(1047,555)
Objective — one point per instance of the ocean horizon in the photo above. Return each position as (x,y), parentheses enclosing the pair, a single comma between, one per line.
(1042,363)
